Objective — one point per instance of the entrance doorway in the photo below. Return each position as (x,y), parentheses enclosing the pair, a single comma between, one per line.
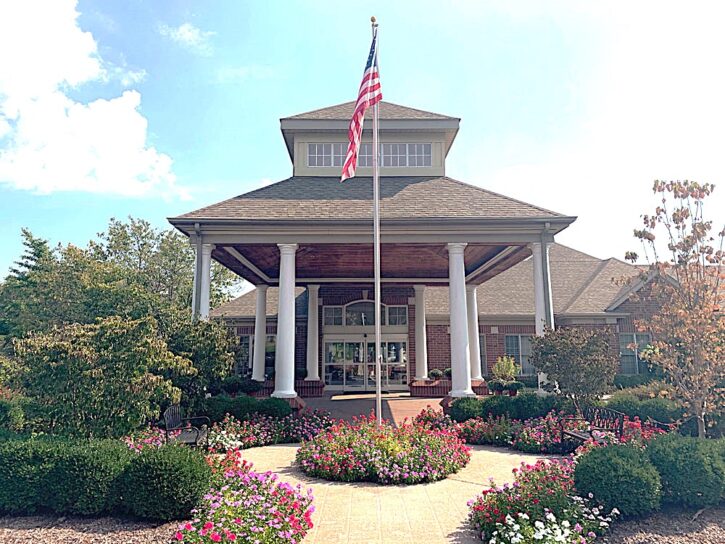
(349,362)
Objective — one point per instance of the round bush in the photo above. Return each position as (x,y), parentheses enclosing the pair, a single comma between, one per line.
(273,407)
(465,408)
(165,483)
(12,417)
(84,477)
(361,451)
(24,469)
(692,470)
(619,476)
(435,374)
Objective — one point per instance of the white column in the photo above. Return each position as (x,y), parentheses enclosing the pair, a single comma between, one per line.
(260,334)
(474,347)
(543,307)
(421,342)
(284,364)
(206,250)
(313,335)
(461,370)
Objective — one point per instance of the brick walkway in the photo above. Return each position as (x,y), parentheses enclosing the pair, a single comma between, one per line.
(366,512)
(396,407)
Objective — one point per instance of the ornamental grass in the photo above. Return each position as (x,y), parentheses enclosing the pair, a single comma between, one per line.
(362,451)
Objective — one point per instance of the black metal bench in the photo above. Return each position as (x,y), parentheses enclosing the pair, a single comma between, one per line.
(180,430)
(599,419)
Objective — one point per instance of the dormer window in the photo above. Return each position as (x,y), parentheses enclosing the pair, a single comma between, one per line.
(391,155)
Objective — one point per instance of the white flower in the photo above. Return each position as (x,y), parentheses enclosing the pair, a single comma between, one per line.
(538,524)
(615,512)
(565,523)
(550,517)
(523,515)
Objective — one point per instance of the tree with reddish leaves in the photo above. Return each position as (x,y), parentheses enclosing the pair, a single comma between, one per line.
(685,272)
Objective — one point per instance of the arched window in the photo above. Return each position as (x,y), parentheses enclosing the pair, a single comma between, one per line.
(362,314)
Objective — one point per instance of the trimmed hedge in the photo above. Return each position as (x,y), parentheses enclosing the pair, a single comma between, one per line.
(242,406)
(526,405)
(660,409)
(692,470)
(619,476)
(165,483)
(95,477)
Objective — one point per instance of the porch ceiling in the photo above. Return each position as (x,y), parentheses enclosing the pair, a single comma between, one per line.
(259,263)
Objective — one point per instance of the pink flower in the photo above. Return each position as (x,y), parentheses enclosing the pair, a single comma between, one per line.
(179,536)
(216,537)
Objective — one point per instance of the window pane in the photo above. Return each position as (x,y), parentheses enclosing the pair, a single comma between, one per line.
(512,348)
(482,347)
(334,363)
(527,369)
(360,314)
(243,359)
(269,354)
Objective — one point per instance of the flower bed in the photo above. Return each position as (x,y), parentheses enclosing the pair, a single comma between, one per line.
(262,430)
(541,501)
(362,451)
(248,506)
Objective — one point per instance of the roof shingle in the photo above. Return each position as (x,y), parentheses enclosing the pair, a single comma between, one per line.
(386,110)
(304,197)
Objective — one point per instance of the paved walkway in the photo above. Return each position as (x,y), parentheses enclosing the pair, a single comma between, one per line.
(396,406)
(366,512)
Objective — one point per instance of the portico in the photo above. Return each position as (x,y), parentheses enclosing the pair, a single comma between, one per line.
(314,233)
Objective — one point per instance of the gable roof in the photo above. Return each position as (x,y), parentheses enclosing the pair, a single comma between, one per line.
(305,197)
(386,110)
(581,285)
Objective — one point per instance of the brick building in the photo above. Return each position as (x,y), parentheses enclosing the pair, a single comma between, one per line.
(458,262)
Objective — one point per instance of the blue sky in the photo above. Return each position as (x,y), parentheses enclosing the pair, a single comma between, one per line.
(151,109)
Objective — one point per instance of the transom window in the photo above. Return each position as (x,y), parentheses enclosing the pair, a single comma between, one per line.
(362,314)
(518,346)
(630,348)
(326,154)
(391,155)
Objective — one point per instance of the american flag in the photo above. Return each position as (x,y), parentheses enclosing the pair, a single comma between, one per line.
(370,94)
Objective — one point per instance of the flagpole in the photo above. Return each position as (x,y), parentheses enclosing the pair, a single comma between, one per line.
(376,250)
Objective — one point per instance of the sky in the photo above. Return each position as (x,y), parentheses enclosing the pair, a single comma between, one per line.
(116,108)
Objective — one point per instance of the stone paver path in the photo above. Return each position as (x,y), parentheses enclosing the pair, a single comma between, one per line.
(366,512)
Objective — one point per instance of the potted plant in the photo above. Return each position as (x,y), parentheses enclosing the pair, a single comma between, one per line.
(435,374)
(447,373)
(513,387)
(497,386)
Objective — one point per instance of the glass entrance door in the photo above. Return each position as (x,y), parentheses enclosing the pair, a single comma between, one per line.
(350,363)
(355,366)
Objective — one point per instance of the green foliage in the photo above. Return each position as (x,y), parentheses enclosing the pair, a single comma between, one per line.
(619,476)
(165,483)
(692,470)
(526,405)
(84,477)
(448,372)
(24,469)
(435,374)
(659,409)
(236,384)
(242,407)
(98,380)
(578,360)
(505,369)
(623,381)
(12,417)
(465,408)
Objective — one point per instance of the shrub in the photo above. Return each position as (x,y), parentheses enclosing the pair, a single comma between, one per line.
(448,372)
(496,385)
(624,382)
(242,407)
(692,470)
(24,469)
(505,369)
(657,408)
(165,483)
(273,407)
(620,476)
(84,477)
(64,476)
(362,451)
(465,408)
(435,374)
(12,416)
(526,405)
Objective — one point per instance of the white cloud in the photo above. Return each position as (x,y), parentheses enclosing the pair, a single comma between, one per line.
(51,142)
(189,37)
(654,109)
(230,74)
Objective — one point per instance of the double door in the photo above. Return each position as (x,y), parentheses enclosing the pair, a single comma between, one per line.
(350,363)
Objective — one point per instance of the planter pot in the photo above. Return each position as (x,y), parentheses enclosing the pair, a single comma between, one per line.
(497,392)
(513,392)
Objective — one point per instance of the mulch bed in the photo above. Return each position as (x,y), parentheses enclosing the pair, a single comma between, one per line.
(74,530)
(672,527)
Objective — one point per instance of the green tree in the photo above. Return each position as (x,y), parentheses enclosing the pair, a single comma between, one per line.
(579,361)
(99,380)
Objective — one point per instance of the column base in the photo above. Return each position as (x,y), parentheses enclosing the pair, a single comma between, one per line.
(456,393)
(312,379)
(284,394)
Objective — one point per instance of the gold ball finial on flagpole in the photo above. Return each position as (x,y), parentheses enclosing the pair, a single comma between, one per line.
(373,20)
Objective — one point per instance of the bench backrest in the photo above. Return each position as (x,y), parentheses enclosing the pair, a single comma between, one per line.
(172,417)
(605,419)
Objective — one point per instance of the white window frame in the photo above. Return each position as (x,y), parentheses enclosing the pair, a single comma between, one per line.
(482,351)
(520,362)
(403,313)
(390,155)
(639,339)
(342,316)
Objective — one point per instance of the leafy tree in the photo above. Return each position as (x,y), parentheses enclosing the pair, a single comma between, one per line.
(579,361)
(98,380)
(689,329)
